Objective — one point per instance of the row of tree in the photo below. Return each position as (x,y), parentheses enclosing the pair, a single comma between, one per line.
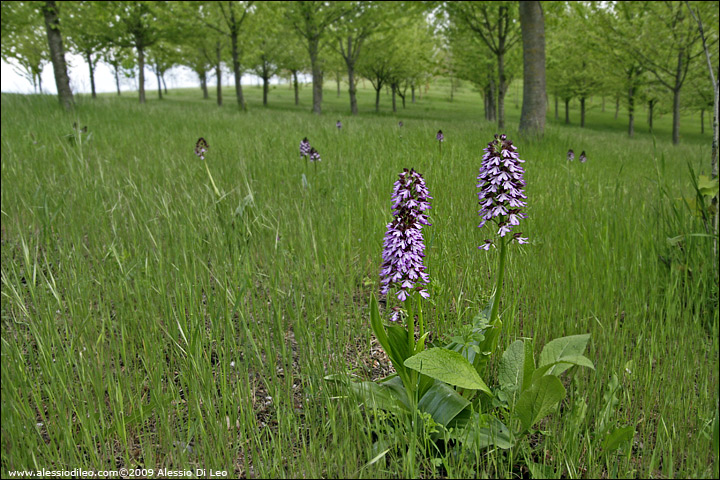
(627,52)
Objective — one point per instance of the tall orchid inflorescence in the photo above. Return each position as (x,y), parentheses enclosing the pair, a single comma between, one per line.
(501,186)
(570,155)
(314,155)
(404,248)
(338,124)
(583,158)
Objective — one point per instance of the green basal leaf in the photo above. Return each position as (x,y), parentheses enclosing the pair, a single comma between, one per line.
(616,438)
(538,400)
(442,402)
(556,349)
(382,396)
(562,364)
(449,367)
(510,371)
(377,325)
(528,366)
(483,431)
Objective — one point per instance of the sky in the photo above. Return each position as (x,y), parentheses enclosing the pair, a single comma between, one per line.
(178,77)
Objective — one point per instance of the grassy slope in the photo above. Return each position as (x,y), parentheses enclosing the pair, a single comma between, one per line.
(142,324)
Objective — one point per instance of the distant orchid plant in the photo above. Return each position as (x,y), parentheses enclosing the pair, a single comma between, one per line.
(201,148)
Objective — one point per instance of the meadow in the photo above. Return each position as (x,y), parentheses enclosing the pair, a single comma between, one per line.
(148,324)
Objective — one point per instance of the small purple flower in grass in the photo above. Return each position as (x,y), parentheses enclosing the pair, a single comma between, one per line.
(404,248)
(570,155)
(201,147)
(400,124)
(439,137)
(583,158)
(314,155)
(304,147)
(338,124)
(501,184)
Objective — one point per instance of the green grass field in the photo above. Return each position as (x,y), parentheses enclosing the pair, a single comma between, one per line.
(146,325)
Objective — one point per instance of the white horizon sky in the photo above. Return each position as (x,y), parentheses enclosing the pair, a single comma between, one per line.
(178,77)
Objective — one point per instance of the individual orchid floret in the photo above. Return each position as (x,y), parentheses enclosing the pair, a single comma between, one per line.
(501,182)
(404,248)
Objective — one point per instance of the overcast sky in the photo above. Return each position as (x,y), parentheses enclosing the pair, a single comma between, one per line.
(178,77)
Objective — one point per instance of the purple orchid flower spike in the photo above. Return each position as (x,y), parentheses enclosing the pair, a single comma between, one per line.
(570,155)
(501,182)
(440,137)
(338,124)
(404,248)
(583,158)
(314,155)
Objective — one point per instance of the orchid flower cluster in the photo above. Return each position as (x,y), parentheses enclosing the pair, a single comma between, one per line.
(501,182)
(308,151)
(403,251)
(570,155)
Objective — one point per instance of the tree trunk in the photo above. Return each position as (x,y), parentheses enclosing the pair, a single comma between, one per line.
(631,111)
(317,76)
(377,98)
(352,89)
(236,69)
(491,100)
(295,84)
(582,112)
(394,89)
(534,104)
(567,111)
(337,79)
(502,88)
(159,82)
(651,107)
(452,88)
(141,76)
(266,83)
(676,117)
(412,92)
(203,85)
(88,59)
(57,54)
(117,81)
(162,77)
(218,74)
(617,106)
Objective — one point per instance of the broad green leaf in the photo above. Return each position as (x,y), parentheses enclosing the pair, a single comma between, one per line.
(483,431)
(562,347)
(528,366)
(563,364)
(377,325)
(442,402)
(538,400)
(447,366)
(616,438)
(401,351)
(510,371)
(707,186)
(381,396)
